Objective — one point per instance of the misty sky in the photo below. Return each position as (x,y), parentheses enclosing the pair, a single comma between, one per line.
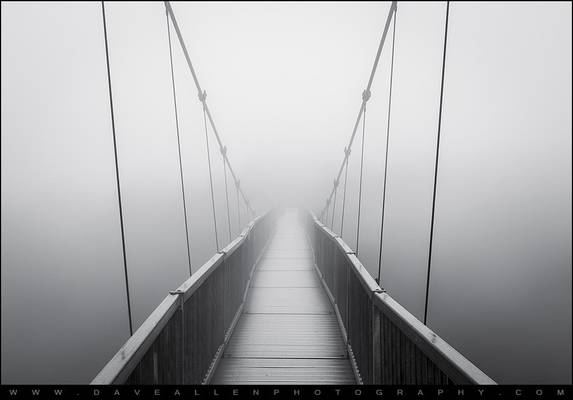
(284,83)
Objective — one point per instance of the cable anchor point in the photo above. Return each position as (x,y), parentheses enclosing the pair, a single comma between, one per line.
(202,96)
(365,95)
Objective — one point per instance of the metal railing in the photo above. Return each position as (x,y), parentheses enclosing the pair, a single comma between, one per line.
(388,345)
(182,339)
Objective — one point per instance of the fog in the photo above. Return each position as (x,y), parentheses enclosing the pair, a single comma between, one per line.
(284,83)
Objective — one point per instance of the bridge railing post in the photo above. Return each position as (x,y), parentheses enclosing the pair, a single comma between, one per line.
(376,346)
(182,354)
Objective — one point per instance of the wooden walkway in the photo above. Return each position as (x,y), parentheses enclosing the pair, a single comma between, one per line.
(288,332)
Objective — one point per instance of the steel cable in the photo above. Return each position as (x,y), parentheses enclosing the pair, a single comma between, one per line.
(436,164)
(347,155)
(238,207)
(179,147)
(210,172)
(393,8)
(334,206)
(206,110)
(117,171)
(386,157)
(360,187)
(223,153)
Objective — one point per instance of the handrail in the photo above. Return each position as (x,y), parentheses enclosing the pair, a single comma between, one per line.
(447,359)
(127,358)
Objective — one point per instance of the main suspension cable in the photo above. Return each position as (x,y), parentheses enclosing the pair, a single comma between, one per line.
(206,110)
(117,171)
(179,146)
(436,164)
(386,157)
(392,10)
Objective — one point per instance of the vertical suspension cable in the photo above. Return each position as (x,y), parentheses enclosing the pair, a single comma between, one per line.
(179,147)
(347,155)
(238,207)
(360,187)
(386,157)
(202,98)
(224,154)
(334,205)
(117,171)
(436,164)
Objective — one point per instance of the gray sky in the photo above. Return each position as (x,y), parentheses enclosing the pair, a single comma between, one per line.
(284,82)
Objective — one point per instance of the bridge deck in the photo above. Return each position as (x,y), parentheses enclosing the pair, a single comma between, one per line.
(288,332)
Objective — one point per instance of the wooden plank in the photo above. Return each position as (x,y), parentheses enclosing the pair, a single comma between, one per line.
(284,278)
(286,336)
(286,267)
(289,253)
(305,261)
(288,301)
(287,371)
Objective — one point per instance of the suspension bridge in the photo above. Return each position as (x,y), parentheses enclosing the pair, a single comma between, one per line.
(287,301)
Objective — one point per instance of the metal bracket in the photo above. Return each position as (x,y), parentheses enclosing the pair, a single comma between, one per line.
(203,96)
(180,294)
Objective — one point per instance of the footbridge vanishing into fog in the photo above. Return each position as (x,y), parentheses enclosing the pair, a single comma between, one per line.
(287,301)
